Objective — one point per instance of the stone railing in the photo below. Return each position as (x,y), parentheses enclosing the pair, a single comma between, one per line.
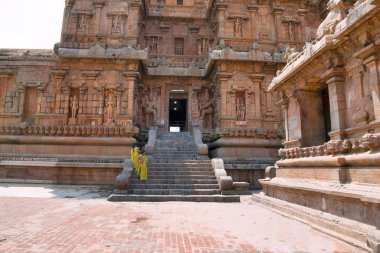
(368,142)
(106,131)
(249,132)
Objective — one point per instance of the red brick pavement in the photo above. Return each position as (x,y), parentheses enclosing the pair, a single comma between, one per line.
(95,225)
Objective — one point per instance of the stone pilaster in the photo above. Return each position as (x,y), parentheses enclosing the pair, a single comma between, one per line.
(371,64)
(221,19)
(253,12)
(131,77)
(98,4)
(223,80)
(134,18)
(257,79)
(277,11)
(337,99)
(3,84)
(58,76)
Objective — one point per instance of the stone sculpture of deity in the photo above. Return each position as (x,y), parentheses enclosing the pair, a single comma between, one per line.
(74,103)
(238,26)
(110,107)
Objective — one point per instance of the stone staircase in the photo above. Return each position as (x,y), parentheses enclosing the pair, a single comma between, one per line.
(175,173)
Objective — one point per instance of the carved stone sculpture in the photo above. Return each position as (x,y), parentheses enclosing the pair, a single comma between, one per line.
(336,14)
(110,107)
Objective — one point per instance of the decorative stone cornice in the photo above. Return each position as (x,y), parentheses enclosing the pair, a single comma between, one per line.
(249,132)
(68,130)
(368,142)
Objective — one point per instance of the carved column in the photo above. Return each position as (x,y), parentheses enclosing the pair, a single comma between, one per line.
(371,64)
(284,104)
(66,94)
(3,84)
(135,18)
(302,13)
(253,11)
(257,79)
(221,7)
(337,98)
(223,79)
(131,77)
(98,6)
(58,76)
(277,11)
(195,104)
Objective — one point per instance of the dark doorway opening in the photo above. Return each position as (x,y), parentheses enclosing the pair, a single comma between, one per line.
(326,112)
(177,115)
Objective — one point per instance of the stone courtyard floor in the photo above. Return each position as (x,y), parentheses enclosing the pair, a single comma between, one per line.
(51,218)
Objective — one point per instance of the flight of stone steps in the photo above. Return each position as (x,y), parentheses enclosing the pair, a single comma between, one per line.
(175,174)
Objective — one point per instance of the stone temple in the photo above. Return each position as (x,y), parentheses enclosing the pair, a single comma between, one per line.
(282,95)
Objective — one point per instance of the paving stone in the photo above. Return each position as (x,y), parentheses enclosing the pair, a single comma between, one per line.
(53,223)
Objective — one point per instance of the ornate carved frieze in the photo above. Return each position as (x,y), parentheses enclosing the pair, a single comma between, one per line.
(81,130)
(262,133)
(366,143)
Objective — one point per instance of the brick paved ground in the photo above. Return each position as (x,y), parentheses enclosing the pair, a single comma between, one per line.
(79,219)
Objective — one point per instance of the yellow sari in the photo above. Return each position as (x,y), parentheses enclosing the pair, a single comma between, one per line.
(134,158)
(143,166)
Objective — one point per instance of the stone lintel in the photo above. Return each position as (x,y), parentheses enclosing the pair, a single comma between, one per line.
(334,74)
(366,52)
(90,75)
(302,12)
(257,77)
(99,3)
(223,75)
(131,74)
(135,5)
(278,10)
(370,59)
(252,7)
(221,6)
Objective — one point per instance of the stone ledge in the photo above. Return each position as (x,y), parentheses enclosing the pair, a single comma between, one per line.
(362,192)
(332,225)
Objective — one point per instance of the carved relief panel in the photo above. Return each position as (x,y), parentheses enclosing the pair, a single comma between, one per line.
(117,22)
(206,105)
(110,107)
(240,106)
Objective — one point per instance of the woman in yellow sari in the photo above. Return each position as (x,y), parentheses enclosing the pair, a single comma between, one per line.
(143,165)
(134,158)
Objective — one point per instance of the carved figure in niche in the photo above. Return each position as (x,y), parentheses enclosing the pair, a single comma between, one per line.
(238,26)
(203,46)
(152,103)
(205,107)
(82,22)
(116,24)
(336,14)
(240,106)
(74,106)
(291,31)
(110,107)
(153,45)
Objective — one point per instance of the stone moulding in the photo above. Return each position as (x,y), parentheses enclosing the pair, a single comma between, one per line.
(249,132)
(100,131)
(368,142)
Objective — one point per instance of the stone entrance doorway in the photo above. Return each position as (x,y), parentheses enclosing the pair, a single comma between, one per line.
(177,114)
